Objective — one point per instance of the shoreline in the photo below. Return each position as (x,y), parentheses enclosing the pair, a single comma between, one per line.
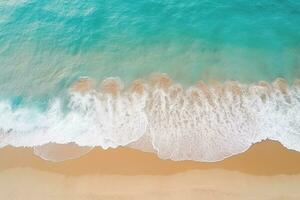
(267,171)
(264,159)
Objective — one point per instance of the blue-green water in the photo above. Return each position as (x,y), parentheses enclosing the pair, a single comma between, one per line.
(47,45)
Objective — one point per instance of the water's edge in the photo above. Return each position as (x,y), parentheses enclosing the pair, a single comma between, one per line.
(205,122)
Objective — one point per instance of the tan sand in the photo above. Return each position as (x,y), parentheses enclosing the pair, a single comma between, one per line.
(266,158)
(266,171)
(29,184)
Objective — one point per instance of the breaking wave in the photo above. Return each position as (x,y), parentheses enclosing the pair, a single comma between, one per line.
(204,122)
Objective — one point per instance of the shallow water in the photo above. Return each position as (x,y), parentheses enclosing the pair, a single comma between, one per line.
(47,46)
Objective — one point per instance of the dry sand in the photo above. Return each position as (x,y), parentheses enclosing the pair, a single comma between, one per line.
(266,171)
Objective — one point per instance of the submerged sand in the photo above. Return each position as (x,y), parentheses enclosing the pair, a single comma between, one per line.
(266,171)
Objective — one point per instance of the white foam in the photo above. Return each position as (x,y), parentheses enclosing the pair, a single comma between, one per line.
(202,123)
(93,120)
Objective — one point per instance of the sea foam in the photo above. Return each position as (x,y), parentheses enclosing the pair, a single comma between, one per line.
(204,122)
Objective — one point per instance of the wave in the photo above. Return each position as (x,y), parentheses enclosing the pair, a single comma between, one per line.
(204,122)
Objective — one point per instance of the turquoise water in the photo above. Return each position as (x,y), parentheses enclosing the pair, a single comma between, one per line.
(47,45)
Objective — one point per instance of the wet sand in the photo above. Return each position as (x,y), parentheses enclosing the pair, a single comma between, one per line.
(266,171)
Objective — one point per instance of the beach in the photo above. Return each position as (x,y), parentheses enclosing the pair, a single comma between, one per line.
(109,100)
(266,171)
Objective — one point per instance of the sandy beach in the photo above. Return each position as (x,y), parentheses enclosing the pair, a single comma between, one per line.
(265,171)
(149,100)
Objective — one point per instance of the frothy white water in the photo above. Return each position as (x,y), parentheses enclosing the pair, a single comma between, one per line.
(60,152)
(202,123)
